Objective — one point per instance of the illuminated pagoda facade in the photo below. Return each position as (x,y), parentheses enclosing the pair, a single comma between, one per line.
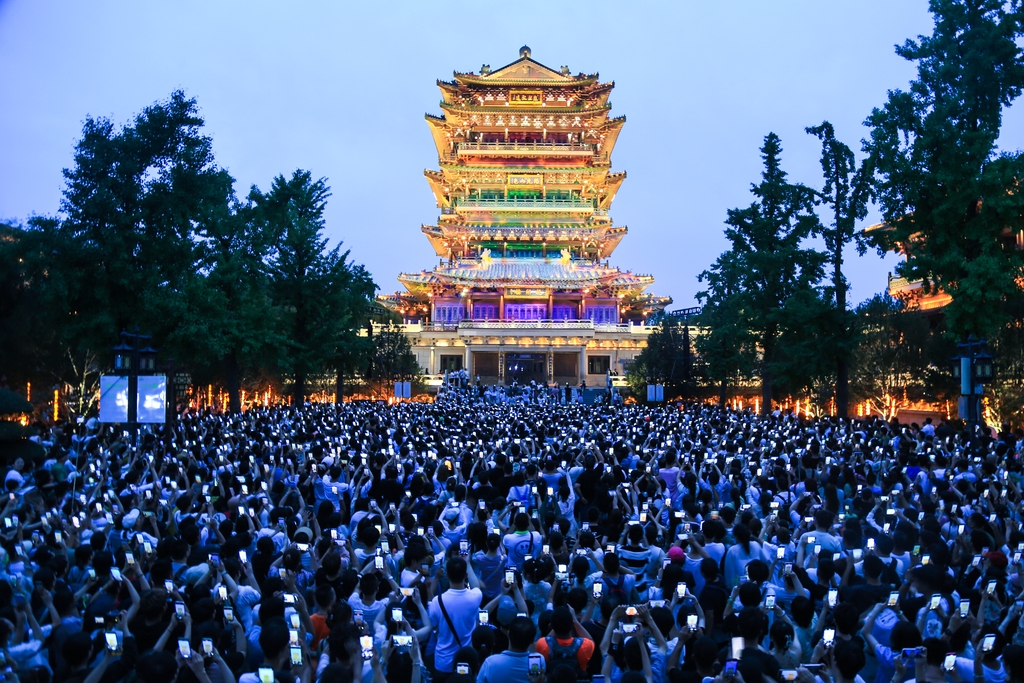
(524,290)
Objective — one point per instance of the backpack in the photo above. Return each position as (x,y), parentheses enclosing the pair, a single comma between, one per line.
(618,591)
(565,654)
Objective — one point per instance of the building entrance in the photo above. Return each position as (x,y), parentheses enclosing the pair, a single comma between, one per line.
(525,368)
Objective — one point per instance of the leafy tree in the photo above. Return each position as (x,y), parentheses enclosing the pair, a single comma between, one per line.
(1006,394)
(726,347)
(121,252)
(235,248)
(770,263)
(845,194)
(322,296)
(949,195)
(667,359)
(392,355)
(351,350)
(891,361)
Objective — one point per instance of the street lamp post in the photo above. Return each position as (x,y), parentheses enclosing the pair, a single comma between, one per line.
(134,356)
(973,367)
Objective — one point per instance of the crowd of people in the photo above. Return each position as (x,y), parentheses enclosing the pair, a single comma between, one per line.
(465,540)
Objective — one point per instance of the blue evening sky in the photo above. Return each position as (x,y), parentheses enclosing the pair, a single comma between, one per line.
(340,88)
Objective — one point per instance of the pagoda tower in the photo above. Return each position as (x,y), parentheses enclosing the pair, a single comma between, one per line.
(524,188)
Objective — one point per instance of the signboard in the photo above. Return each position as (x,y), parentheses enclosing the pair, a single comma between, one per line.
(403,389)
(655,393)
(526,293)
(533,179)
(152,399)
(533,98)
(113,399)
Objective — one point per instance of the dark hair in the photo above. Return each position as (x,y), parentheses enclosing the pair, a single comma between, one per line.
(847,616)
(904,634)
(849,657)
(561,621)
(456,570)
(521,633)
(751,621)
(77,649)
(273,637)
(157,666)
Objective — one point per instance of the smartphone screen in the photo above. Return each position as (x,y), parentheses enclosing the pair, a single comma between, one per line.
(296,656)
(737,647)
(266,674)
(366,645)
(535,664)
(111,640)
(184,648)
(949,662)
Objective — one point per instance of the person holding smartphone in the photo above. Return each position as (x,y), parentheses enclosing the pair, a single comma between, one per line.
(516,664)
(455,612)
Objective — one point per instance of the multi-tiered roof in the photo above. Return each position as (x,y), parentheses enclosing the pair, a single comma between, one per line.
(524,188)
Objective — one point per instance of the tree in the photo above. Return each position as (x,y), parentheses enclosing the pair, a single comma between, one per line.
(667,359)
(770,264)
(322,297)
(726,347)
(948,194)
(891,360)
(846,193)
(121,253)
(235,250)
(392,355)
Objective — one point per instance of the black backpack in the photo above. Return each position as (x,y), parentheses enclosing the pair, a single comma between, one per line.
(565,654)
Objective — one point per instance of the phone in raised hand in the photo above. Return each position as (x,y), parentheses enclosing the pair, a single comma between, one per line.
(829,637)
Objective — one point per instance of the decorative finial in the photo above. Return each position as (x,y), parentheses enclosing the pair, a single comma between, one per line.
(565,71)
(524,52)
(485,69)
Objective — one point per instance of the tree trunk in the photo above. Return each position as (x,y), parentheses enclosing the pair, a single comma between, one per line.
(299,391)
(339,387)
(721,394)
(842,388)
(233,380)
(842,366)
(766,392)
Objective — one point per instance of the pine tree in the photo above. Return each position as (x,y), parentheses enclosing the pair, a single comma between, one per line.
(771,263)
(321,295)
(846,193)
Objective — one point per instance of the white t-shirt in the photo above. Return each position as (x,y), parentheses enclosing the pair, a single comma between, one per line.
(463,606)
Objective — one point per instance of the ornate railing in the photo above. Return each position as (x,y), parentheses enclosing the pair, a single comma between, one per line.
(548,148)
(526,325)
(517,204)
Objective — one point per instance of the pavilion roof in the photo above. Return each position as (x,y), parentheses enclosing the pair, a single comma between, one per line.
(509,272)
(525,71)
